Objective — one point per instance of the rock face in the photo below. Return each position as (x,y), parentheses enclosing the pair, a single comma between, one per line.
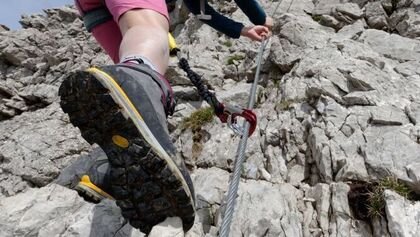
(35,147)
(338,104)
(403,216)
(54,210)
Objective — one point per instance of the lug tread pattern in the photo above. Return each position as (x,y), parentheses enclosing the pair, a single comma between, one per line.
(141,182)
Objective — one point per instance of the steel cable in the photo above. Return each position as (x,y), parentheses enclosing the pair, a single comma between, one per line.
(234,184)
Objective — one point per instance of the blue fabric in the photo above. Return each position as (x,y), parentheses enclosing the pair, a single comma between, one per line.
(229,27)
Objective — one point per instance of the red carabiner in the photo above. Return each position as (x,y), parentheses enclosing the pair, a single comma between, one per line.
(230,114)
(249,116)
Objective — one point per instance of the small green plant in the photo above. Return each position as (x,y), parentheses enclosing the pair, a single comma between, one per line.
(285,104)
(198,119)
(376,199)
(261,95)
(195,121)
(235,57)
(228,43)
(317,18)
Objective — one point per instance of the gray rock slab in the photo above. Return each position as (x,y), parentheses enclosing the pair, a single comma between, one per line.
(219,148)
(171,227)
(413,171)
(388,115)
(352,30)
(237,94)
(321,153)
(380,227)
(55,210)
(296,175)
(406,22)
(321,193)
(210,185)
(342,223)
(304,32)
(350,9)
(300,8)
(284,54)
(376,16)
(409,68)
(330,21)
(11,185)
(403,216)
(186,93)
(389,150)
(36,146)
(4,28)
(276,164)
(392,45)
(325,7)
(37,57)
(361,98)
(267,209)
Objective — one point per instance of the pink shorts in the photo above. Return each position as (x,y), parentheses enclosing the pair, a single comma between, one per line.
(108,34)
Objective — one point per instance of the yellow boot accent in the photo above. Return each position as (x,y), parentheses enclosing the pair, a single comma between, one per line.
(85,181)
(173,48)
(122,100)
(120,141)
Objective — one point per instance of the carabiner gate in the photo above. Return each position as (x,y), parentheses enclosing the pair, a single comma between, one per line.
(230,115)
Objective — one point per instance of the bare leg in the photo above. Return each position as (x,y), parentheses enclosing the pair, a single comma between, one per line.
(145,33)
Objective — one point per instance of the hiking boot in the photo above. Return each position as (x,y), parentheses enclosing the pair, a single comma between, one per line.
(95,184)
(89,175)
(123,109)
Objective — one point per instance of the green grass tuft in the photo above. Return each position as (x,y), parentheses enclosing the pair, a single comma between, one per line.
(317,18)
(198,118)
(284,105)
(235,57)
(228,43)
(287,104)
(376,200)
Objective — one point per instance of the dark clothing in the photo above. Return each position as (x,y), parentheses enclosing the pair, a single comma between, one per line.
(231,28)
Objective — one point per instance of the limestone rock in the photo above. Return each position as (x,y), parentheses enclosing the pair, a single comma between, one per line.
(403,216)
(3,28)
(350,9)
(376,16)
(321,194)
(382,143)
(342,222)
(36,146)
(386,44)
(55,209)
(171,227)
(325,7)
(388,115)
(406,22)
(330,21)
(266,209)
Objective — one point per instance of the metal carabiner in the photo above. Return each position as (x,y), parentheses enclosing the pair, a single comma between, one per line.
(230,115)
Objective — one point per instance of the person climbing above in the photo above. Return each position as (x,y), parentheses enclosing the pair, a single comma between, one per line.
(251,8)
(123,109)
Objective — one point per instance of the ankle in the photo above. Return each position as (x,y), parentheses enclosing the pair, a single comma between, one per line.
(137,59)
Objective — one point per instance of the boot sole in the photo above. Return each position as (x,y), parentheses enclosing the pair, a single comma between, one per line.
(90,191)
(146,183)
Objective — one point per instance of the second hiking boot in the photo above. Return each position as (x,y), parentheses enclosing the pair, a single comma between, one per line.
(123,109)
(95,184)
